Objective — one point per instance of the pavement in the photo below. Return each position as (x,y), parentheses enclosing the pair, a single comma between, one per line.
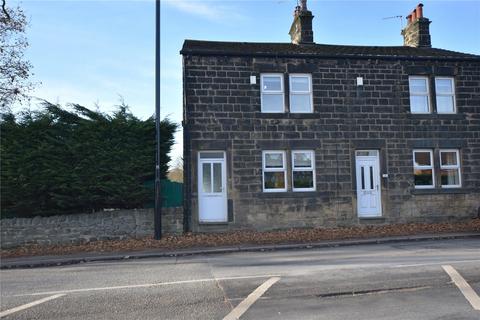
(84,257)
(401,280)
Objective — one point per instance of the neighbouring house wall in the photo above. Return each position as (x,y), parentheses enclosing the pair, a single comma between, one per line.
(82,228)
(222,112)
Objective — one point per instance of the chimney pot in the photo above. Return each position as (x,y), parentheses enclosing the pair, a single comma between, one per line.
(414,15)
(419,11)
(296,11)
(303,5)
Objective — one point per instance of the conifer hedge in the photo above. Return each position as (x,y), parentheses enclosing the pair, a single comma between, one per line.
(70,160)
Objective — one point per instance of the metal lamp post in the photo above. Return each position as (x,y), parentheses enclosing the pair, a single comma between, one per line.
(158,205)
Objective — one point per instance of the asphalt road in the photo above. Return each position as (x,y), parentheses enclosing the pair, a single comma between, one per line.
(410,280)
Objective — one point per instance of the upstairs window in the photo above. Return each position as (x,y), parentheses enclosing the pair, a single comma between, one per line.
(274,171)
(272,97)
(303,170)
(445,95)
(419,94)
(301,93)
(423,168)
(449,168)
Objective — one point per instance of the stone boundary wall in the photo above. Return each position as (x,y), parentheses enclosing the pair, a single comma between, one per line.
(83,228)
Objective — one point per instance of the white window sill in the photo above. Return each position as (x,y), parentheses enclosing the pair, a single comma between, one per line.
(441,191)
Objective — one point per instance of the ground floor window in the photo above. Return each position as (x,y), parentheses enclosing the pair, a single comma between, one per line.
(449,168)
(423,168)
(274,171)
(303,170)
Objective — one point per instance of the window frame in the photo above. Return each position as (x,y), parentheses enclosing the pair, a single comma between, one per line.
(427,94)
(275,92)
(283,169)
(424,167)
(211,157)
(446,94)
(310,169)
(457,167)
(309,92)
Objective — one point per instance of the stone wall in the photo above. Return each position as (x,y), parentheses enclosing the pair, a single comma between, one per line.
(222,112)
(82,228)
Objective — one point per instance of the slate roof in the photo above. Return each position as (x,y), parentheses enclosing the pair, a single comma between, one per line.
(198,47)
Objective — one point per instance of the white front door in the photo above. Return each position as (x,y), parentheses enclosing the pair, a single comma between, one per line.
(212,191)
(368,183)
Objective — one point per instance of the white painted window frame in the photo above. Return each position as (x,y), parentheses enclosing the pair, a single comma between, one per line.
(424,167)
(309,169)
(457,167)
(283,169)
(309,92)
(420,94)
(272,92)
(452,79)
(210,152)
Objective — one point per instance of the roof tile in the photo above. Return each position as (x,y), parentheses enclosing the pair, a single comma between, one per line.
(198,47)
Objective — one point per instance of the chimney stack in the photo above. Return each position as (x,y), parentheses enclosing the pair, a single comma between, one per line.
(417,32)
(301,31)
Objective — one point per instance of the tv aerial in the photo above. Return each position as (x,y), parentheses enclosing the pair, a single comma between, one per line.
(395,17)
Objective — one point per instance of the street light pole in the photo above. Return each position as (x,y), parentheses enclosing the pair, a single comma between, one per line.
(158,205)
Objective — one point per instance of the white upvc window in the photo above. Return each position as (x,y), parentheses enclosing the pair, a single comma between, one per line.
(272,93)
(303,170)
(419,94)
(423,169)
(301,98)
(450,168)
(274,171)
(445,94)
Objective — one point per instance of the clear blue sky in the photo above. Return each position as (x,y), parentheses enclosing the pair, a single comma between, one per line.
(95,51)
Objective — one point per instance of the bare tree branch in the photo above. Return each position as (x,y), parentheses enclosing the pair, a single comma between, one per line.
(15,69)
(4,9)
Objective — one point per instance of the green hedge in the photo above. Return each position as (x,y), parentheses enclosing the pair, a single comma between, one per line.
(59,161)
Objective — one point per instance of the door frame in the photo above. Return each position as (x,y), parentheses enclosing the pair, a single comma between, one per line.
(200,193)
(378,182)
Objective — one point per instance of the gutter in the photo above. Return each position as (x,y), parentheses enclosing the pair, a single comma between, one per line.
(187,52)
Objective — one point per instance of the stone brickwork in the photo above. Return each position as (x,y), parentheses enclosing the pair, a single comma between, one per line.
(417,33)
(83,228)
(222,112)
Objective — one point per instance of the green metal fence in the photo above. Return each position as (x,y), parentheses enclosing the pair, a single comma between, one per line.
(172,193)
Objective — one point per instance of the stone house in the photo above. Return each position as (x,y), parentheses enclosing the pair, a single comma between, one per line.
(281,135)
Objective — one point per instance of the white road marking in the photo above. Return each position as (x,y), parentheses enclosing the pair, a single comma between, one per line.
(433,263)
(145,285)
(464,287)
(252,297)
(29,305)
